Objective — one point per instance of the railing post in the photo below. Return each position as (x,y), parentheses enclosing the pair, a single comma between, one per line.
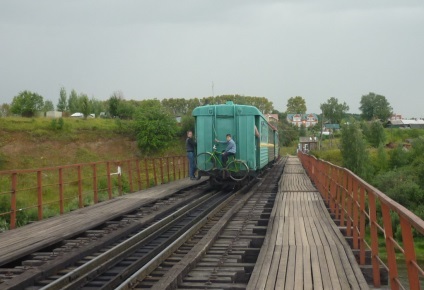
(362,228)
(408,245)
(173,167)
(333,192)
(391,254)
(161,170)
(344,190)
(147,173)
(355,204)
(374,239)
(154,171)
(109,180)
(13,200)
(349,205)
(137,164)
(130,176)
(120,180)
(167,168)
(179,167)
(61,199)
(40,195)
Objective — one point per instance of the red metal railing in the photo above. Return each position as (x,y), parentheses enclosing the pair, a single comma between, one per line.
(34,194)
(367,213)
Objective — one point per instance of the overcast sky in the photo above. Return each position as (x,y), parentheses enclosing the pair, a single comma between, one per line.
(178,49)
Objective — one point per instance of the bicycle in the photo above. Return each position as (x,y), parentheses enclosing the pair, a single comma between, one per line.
(208,161)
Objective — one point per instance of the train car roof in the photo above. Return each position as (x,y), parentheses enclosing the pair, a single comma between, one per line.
(223,109)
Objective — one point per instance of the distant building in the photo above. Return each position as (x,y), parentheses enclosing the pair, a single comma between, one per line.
(308,120)
(272,119)
(406,124)
(307,143)
(395,117)
(53,114)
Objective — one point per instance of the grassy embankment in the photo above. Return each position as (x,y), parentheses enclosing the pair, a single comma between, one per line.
(41,142)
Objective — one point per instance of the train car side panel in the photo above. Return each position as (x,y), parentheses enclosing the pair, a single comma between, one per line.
(246,140)
(263,142)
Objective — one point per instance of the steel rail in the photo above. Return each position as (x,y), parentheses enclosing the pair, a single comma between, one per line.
(92,268)
(162,256)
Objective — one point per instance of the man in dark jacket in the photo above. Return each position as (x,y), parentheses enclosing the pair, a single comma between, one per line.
(191,149)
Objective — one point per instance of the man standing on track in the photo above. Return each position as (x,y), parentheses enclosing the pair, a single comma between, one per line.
(191,149)
(230,150)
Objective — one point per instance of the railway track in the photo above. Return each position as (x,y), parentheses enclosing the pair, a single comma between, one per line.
(23,272)
(223,253)
(196,240)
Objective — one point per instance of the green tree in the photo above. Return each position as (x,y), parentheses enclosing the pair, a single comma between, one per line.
(4,110)
(126,109)
(192,104)
(302,131)
(96,106)
(114,101)
(296,105)
(334,111)
(48,106)
(73,102)
(353,149)
(27,103)
(382,162)
(401,185)
(155,127)
(417,155)
(187,123)
(375,134)
(398,157)
(84,104)
(375,106)
(177,107)
(62,103)
(287,132)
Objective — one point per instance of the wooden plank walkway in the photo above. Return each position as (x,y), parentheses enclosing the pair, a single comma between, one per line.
(303,248)
(32,237)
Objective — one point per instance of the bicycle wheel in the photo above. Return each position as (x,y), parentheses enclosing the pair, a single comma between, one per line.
(237,169)
(205,161)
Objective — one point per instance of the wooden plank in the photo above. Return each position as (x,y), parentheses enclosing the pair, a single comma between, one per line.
(298,276)
(290,269)
(273,271)
(275,251)
(282,268)
(347,257)
(257,279)
(336,254)
(307,271)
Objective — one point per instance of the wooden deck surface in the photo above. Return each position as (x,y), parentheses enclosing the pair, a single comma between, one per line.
(27,239)
(303,248)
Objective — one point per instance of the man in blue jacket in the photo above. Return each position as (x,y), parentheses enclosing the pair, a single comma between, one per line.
(230,150)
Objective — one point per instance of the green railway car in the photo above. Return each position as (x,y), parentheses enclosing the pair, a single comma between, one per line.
(255,138)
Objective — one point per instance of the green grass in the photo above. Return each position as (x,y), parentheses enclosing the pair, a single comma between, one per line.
(288,150)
